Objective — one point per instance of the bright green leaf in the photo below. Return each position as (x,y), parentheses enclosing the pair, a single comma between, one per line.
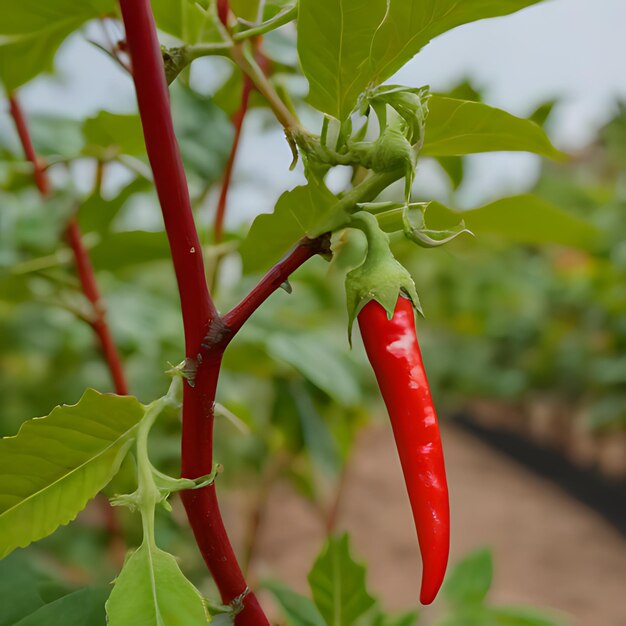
(152,591)
(458,127)
(304,210)
(470,580)
(110,134)
(524,219)
(299,610)
(31,31)
(345,46)
(338,584)
(54,465)
(80,608)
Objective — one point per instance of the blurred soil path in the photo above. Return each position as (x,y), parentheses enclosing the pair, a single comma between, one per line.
(550,551)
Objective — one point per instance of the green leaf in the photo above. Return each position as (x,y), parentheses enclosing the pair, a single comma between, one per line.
(204,132)
(304,210)
(109,134)
(249,10)
(96,213)
(317,437)
(470,580)
(124,249)
(514,616)
(458,127)
(405,619)
(543,112)
(82,607)
(190,21)
(320,361)
(56,135)
(524,219)
(334,40)
(152,591)
(22,584)
(299,610)
(31,31)
(54,465)
(346,46)
(338,584)
(454,167)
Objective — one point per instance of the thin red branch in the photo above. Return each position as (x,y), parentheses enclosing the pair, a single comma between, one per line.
(81,257)
(237,119)
(39,172)
(222,11)
(274,278)
(200,318)
(98,321)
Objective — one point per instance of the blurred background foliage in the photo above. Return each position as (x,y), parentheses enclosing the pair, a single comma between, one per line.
(506,322)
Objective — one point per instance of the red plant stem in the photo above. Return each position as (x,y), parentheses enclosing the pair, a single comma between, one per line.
(222,11)
(171,183)
(274,278)
(99,322)
(81,257)
(237,119)
(39,172)
(199,313)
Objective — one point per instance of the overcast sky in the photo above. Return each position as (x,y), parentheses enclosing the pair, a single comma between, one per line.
(573,50)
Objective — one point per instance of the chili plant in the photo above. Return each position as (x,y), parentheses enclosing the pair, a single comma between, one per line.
(347,52)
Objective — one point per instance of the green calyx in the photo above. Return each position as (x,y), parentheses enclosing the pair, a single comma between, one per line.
(380,277)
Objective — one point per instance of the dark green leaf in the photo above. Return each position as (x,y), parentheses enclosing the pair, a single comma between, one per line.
(299,610)
(204,132)
(470,580)
(319,442)
(125,249)
(338,584)
(97,213)
(320,361)
(20,583)
(80,608)
(519,616)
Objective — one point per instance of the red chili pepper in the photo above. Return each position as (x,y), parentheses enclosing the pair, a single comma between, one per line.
(394,353)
